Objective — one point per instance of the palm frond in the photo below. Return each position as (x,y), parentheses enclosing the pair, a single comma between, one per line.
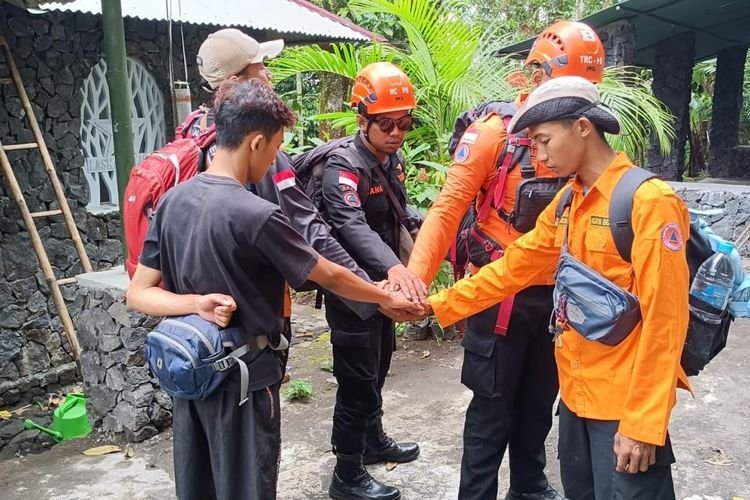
(340,119)
(641,113)
(343,60)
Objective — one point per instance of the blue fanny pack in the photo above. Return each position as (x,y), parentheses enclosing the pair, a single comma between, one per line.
(587,301)
(191,357)
(591,304)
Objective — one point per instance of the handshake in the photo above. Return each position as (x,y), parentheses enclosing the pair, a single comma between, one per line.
(408,296)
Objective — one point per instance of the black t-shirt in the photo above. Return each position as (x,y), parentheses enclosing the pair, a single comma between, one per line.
(211,235)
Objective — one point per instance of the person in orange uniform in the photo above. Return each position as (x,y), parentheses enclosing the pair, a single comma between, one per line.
(511,371)
(616,399)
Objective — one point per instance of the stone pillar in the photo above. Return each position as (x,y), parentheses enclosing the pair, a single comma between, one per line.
(618,39)
(727,104)
(673,74)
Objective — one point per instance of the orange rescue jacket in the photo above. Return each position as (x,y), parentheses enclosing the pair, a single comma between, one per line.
(468,175)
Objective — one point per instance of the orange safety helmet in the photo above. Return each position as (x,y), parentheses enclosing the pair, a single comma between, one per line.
(569,48)
(382,88)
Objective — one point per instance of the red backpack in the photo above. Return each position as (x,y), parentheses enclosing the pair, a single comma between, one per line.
(159,172)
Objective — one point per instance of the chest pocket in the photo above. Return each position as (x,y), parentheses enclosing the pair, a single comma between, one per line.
(604,256)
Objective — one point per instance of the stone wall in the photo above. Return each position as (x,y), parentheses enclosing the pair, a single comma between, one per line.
(123,397)
(15,440)
(54,53)
(618,39)
(734,200)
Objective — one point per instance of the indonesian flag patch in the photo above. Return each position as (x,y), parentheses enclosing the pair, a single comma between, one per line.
(348,179)
(284,179)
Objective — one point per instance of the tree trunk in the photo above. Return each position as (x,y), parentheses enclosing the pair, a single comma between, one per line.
(334,89)
(334,96)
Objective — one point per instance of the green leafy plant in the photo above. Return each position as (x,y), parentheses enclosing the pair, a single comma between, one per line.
(299,390)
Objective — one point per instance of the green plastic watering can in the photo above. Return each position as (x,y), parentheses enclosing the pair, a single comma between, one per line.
(69,420)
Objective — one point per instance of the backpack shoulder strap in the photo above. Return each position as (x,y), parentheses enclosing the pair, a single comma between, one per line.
(565,200)
(515,150)
(183,129)
(621,209)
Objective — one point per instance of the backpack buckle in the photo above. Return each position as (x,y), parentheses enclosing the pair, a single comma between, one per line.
(224,363)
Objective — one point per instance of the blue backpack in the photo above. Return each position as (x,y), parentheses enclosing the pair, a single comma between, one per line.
(191,357)
(704,341)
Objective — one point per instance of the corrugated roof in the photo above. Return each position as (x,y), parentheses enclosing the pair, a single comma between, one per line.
(282,16)
(717,25)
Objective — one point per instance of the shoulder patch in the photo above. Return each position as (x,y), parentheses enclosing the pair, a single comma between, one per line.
(284,179)
(351,198)
(671,237)
(400,173)
(462,153)
(470,137)
(348,179)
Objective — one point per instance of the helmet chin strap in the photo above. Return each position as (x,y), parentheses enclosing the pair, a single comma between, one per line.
(366,132)
(366,135)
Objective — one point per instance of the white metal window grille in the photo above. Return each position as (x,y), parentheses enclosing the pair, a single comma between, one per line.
(147,111)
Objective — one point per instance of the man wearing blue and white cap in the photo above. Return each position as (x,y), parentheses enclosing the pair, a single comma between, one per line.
(618,368)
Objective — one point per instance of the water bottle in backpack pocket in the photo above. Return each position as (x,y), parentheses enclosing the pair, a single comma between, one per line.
(713,285)
(710,292)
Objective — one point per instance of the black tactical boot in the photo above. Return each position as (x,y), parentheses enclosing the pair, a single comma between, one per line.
(351,481)
(381,448)
(548,494)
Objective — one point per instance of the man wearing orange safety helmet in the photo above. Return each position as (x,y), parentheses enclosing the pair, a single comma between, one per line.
(508,353)
(364,200)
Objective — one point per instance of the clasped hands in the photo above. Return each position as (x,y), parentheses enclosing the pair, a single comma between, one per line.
(408,296)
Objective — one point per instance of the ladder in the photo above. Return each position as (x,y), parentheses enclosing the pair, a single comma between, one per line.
(28,217)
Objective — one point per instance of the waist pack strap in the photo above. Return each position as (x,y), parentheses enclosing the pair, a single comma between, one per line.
(229,361)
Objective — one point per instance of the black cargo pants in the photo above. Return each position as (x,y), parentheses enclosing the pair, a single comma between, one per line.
(362,352)
(514,381)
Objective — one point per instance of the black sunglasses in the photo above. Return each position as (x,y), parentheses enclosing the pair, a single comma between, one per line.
(386,125)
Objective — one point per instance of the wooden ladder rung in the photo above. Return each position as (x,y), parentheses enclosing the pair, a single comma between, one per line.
(46,213)
(66,281)
(16,147)
(6,81)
